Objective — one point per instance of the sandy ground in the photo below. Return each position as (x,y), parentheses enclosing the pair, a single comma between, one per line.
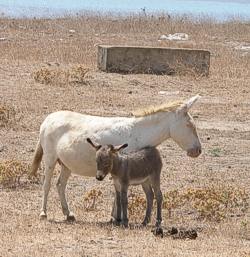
(222,118)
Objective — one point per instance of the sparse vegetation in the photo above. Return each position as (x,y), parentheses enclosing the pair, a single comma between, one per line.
(222,115)
(75,74)
(210,203)
(11,172)
(136,207)
(7,115)
(216,152)
(92,199)
(217,203)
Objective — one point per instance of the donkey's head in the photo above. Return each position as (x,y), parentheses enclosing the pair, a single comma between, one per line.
(105,157)
(183,130)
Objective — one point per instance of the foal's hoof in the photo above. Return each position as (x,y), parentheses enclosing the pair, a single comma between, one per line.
(124,224)
(43,216)
(115,222)
(71,217)
(158,231)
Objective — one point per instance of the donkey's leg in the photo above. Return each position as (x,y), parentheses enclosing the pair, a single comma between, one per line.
(61,185)
(50,163)
(124,205)
(118,208)
(158,196)
(150,198)
(114,210)
(116,213)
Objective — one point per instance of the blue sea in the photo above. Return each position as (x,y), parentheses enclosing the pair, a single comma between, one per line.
(219,9)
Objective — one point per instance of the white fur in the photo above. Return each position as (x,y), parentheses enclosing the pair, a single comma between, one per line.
(63,137)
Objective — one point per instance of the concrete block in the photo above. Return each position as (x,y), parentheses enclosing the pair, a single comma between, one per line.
(155,60)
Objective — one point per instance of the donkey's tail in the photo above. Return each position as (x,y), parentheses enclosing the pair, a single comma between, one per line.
(37,159)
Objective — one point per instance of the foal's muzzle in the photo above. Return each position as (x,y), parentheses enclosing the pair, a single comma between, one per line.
(99,177)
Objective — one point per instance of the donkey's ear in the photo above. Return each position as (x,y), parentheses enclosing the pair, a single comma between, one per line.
(120,147)
(97,147)
(189,103)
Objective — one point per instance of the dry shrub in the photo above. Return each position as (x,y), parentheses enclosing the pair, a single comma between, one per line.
(172,200)
(7,115)
(11,172)
(210,203)
(75,74)
(92,198)
(136,206)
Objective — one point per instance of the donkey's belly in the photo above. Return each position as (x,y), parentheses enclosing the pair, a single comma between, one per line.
(79,166)
(83,170)
(137,181)
(78,157)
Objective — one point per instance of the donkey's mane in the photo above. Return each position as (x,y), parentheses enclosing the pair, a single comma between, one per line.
(165,107)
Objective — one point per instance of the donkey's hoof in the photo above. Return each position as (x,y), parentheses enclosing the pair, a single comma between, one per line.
(158,231)
(145,222)
(124,224)
(115,222)
(71,217)
(43,215)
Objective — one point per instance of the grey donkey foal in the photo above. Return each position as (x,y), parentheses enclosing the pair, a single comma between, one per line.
(141,167)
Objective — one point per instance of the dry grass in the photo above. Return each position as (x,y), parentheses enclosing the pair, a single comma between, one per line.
(92,199)
(211,203)
(11,171)
(75,74)
(7,115)
(38,53)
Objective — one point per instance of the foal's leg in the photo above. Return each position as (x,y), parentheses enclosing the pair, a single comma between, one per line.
(158,196)
(117,209)
(50,163)
(61,185)
(114,212)
(150,198)
(124,205)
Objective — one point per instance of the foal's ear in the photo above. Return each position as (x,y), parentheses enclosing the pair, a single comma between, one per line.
(97,147)
(119,147)
(189,103)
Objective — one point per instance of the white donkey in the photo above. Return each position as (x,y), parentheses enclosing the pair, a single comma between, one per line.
(63,137)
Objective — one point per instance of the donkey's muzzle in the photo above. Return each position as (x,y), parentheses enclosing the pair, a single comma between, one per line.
(194,152)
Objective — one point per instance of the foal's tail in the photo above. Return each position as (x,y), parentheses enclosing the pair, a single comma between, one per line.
(37,159)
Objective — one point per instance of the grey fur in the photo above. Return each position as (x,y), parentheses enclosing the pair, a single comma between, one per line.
(142,167)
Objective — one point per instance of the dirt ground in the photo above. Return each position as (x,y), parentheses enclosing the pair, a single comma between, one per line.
(222,117)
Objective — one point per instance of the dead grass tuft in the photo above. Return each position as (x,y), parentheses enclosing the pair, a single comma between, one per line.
(136,207)
(7,115)
(75,74)
(210,203)
(92,199)
(11,172)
